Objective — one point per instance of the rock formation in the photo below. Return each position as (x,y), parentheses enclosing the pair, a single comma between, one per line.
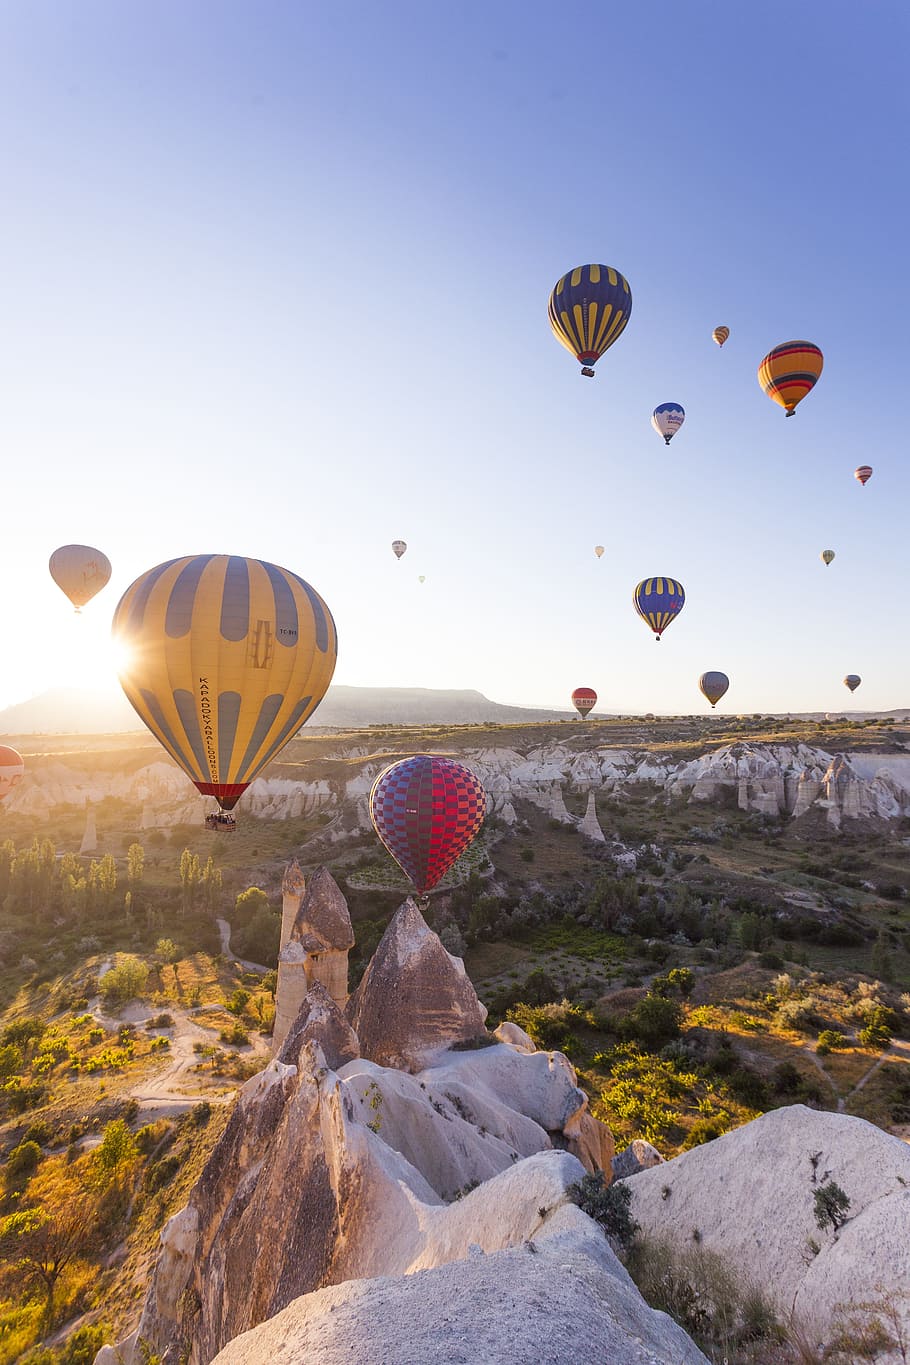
(90,836)
(414,997)
(319,939)
(590,825)
(320,1021)
(751,1194)
(638,1156)
(560,1298)
(293,885)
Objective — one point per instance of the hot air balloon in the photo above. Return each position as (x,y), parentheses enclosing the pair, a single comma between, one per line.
(827,556)
(864,473)
(80,571)
(667,419)
(589,308)
(11,769)
(659,601)
(225,659)
(852,681)
(398,548)
(789,371)
(713,686)
(598,550)
(421,578)
(720,334)
(584,699)
(427,810)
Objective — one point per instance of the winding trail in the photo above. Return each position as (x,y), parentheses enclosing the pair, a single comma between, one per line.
(224,932)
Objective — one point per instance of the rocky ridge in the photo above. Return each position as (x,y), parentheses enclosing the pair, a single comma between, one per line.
(770,779)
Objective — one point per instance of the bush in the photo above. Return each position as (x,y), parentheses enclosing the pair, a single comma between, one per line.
(875,1034)
(550,1026)
(831,1205)
(652,1023)
(11,1060)
(608,1205)
(124,982)
(161,1173)
(22,1162)
(829,1040)
(706,1130)
(84,1344)
(235,1036)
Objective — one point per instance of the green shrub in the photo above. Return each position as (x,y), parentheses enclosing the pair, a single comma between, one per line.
(706,1130)
(11,1060)
(608,1205)
(22,1162)
(829,1040)
(652,1023)
(831,1205)
(876,1035)
(235,1036)
(84,1344)
(550,1026)
(126,981)
(161,1173)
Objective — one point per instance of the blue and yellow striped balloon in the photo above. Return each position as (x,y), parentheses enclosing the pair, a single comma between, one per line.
(659,601)
(589,308)
(224,660)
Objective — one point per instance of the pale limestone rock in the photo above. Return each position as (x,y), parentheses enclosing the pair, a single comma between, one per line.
(414,997)
(638,1156)
(560,1299)
(316,950)
(590,825)
(293,886)
(319,1020)
(515,1036)
(750,1195)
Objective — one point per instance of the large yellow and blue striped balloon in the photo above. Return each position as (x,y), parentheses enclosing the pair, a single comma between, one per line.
(224,660)
(589,308)
(659,601)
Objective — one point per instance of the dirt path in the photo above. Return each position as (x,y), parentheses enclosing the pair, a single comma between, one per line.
(224,931)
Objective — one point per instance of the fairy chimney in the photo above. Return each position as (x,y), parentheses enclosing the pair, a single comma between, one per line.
(319,939)
(292,889)
(90,837)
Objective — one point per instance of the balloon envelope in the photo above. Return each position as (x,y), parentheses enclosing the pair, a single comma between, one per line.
(852,681)
(584,699)
(827,556)
(667,419)
(864,473)
(720,334)
(598,550)
(398,548)
(789,372)
(225,659)
(80,571)
(659,601)
(589,308)
(713,686)
(12,767)
(427,810)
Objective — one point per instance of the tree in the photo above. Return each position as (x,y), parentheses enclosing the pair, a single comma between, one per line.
(135,865)
(118,1146)
(167,951)
(652,1023)
(41,1241)
(123,982)
(831,1205)
(189,879)
(211,886)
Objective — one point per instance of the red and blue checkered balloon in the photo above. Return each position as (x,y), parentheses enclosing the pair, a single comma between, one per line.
(427,811)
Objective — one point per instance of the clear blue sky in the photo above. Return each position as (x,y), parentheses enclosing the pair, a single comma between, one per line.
(275,284)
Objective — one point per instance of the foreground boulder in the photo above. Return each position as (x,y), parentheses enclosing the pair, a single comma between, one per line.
(750,1196)
(414,997)
(559,1299)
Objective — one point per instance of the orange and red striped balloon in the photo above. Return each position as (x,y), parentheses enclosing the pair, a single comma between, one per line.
(789,372)
(864,473)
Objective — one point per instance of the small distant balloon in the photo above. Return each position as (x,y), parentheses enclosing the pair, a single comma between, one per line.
(852,681)
(80,571)
(584,699)
(598,550)
(12,766)
(667,419)
(659,601)
(398,548)
(421,578)
(588,310)
(827,556)
(864,473)
(789,372)
(713,686)
(720,334)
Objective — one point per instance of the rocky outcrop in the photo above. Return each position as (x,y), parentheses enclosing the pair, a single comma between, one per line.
(638,1156)
(414,998)
(319,1020)
(348,1174)
(319,936)
(751,1195)
(590,825)
(560,1298)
